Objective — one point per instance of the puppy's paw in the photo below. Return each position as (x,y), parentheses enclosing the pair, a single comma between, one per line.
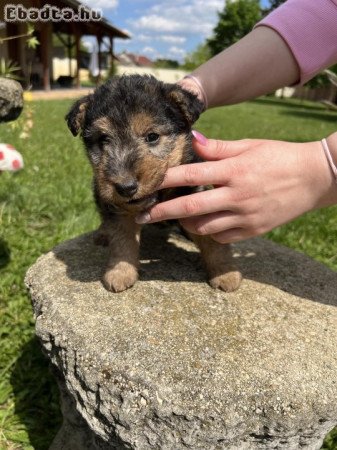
(101,238)
(121,277)
(227,282)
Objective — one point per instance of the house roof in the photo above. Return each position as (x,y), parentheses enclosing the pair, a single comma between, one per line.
(144,61)
(132,59)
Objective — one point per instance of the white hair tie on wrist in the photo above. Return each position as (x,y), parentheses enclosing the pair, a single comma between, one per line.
(201,89)
(329,158)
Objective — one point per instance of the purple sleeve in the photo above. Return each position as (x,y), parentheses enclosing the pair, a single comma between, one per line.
(309,27)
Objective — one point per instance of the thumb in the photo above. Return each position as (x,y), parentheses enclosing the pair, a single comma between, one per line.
(214,150)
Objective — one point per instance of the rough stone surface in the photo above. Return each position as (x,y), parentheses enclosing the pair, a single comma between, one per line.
(172,364)
(11,99)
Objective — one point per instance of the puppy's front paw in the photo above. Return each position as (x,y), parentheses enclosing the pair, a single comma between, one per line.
(227,282)
(121,277)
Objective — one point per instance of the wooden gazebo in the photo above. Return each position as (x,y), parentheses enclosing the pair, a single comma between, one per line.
(73,30)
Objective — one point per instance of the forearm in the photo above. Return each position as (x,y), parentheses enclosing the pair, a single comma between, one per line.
(291,45)
(258,64)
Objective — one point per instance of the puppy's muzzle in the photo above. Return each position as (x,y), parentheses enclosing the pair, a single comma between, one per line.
(127,188)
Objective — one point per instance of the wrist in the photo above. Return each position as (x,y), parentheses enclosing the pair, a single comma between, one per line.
(330,148)
(322,170)
(193,84)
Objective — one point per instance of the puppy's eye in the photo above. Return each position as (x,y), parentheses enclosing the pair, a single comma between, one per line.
(103,139)
(152,138)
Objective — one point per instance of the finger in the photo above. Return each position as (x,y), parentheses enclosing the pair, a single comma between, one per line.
(212,223)
(232,235)
(214,150)
(198,174)
(188,205)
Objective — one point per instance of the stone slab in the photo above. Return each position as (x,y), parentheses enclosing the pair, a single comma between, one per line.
(173,364)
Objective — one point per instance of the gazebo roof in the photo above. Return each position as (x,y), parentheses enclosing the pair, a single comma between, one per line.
(92,25)
(101,28)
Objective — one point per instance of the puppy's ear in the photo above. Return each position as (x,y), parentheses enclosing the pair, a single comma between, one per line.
(76,115)
(188,103)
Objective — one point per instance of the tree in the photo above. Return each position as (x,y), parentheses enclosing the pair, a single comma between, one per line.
(162,63)
(235,21)
(273,4)
(194,59)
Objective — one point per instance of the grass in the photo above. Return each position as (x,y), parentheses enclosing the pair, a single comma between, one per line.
(50,201)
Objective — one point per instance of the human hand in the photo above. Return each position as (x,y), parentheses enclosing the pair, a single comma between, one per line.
(259,184)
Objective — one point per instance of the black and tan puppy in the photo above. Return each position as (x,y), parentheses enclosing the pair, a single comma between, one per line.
(134,128)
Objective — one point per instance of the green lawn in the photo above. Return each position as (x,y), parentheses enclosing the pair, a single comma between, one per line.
(50,201)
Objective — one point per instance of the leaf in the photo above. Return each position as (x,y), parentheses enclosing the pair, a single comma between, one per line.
(32,42)
(30,29)
(7,69)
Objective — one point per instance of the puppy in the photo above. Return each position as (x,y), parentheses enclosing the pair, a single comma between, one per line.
(134,128)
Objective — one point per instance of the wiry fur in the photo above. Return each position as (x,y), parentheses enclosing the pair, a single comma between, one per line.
(134,128)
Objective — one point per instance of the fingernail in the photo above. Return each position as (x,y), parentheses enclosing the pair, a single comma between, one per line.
(199,137)
(143,218)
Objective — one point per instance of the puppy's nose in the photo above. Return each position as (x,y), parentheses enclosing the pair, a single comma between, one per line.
(127,188)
